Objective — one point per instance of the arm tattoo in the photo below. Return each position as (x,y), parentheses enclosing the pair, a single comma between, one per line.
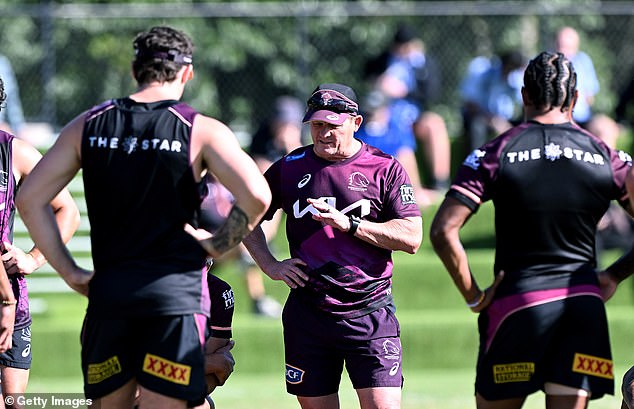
(232,231)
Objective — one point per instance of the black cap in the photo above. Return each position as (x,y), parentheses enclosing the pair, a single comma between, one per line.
(322,111)
(340,88)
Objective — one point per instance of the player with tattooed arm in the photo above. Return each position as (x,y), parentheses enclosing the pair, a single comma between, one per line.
(142,159)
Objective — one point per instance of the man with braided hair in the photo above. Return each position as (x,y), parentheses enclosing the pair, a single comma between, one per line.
(542,322)
(143,158)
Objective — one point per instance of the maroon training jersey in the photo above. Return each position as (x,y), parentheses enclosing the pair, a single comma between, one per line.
(550,185)
(348,277)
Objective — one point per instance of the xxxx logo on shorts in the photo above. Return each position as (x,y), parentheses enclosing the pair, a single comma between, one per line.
(168,370)
(103,370)
(294,375)
(592,365)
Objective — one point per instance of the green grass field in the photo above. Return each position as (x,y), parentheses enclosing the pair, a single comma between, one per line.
(439,336)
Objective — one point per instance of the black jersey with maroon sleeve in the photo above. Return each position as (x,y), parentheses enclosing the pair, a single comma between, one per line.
(140,191)
(348,276)
(550,186)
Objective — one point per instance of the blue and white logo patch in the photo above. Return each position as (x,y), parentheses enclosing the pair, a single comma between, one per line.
(295,157)
(473,160)
(294,375)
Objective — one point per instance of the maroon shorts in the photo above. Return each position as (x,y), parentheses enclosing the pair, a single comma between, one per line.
(317,345)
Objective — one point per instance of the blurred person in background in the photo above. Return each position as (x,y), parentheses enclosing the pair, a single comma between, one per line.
(567,42)
(405,72)
(383,129)
(491,97)
(348,207)
(18,158)
(143,158)
(11,115)
(550,182)
(624,110)
(277,135)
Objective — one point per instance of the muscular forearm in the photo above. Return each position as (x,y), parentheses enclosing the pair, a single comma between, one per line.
(397,235)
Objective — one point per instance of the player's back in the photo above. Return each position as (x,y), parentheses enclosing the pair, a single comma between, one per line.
(140,192)
(552,185)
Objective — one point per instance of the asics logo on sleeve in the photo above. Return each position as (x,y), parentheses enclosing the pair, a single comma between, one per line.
(304,180)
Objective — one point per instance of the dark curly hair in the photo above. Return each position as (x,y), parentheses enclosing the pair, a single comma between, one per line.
(550,81)
(160,53)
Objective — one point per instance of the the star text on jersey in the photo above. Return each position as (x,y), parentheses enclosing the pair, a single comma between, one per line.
(131,144)
(554,152)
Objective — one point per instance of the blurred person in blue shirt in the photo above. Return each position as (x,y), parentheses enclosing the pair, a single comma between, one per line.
(387,126)
(491,97)
(405,72)
(567,43)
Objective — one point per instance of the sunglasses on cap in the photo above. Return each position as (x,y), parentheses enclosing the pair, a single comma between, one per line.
(323,101)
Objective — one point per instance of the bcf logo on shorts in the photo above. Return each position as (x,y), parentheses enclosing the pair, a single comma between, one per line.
(294,375)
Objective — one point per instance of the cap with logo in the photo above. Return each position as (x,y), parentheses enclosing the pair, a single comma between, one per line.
(332,103)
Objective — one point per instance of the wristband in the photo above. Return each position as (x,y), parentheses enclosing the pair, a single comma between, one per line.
(477,301)
(9,302)
(354,224)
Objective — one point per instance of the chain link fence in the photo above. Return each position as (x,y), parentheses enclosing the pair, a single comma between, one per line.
(69,56)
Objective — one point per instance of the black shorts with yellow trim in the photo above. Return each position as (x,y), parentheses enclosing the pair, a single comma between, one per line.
(163,353)
(563,341)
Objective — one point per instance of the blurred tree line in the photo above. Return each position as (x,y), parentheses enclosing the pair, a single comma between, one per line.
(68,56)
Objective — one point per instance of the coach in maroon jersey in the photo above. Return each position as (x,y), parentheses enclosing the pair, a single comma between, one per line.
(142,159)
(348,206)
(542,323)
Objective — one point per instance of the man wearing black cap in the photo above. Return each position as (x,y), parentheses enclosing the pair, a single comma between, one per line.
(142,159)
(348,206)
